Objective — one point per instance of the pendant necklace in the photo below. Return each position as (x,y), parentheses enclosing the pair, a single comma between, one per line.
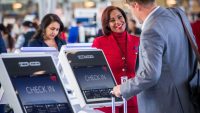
(123,55)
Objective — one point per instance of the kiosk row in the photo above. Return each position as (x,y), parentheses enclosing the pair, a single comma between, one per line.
(43,80)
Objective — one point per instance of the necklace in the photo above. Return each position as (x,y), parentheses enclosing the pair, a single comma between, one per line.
(123,54)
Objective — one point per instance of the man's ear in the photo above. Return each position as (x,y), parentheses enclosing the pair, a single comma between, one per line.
(135,5)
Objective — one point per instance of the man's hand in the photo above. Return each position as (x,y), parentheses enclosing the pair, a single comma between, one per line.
(116,91)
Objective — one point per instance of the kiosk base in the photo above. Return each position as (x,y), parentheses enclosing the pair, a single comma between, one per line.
(1,93)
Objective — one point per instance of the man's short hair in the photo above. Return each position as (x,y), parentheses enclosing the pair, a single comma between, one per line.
(141,1)
(27,24)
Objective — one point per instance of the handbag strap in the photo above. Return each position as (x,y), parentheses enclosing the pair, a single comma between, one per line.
(189,36)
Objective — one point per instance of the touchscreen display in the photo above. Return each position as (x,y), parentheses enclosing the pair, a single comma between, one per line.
(95,82)
(41,93)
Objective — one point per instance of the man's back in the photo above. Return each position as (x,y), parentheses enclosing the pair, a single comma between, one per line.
(171,71)
(165,63)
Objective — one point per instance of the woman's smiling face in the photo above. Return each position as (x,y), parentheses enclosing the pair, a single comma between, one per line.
(117,22)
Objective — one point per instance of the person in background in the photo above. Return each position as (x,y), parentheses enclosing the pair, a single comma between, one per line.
(2,45)
(99,33)
(196,30)
(165,62)
(132,28)
(28,31)
(48,33)
(7,38)
(64,34)
(36,22)
(120,49)
(77,33)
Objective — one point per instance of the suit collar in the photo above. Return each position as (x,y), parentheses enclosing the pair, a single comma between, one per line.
(152,16)
(149,15)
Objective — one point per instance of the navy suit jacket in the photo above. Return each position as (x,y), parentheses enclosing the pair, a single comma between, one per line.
(2,45)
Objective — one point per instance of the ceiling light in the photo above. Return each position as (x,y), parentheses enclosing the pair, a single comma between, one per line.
(17,5)
(89,4)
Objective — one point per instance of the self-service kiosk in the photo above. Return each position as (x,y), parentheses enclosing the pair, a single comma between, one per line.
(32,84)
(89,76)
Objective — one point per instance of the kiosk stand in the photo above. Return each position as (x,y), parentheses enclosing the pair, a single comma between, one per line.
(32,84)
(1,93)
(89,77)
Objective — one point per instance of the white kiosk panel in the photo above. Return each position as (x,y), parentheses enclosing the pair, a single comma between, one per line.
(32,84)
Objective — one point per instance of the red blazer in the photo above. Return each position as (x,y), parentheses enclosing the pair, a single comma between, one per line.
(113,56)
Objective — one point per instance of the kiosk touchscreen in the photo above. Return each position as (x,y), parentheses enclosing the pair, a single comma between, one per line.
(32,84)
(89,75)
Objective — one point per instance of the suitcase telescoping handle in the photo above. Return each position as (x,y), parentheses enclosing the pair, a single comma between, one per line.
(123,79)
(113,103)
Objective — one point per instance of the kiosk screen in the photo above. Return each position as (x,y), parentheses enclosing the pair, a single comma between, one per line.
(95,82)
(93,75)
(41,93)
(37,85)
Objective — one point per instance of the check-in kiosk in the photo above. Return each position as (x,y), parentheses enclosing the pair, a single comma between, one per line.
(32,84)
(89,76)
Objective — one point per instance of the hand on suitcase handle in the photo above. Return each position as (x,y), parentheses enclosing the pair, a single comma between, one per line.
(116,91)
(113,102)
(113,92)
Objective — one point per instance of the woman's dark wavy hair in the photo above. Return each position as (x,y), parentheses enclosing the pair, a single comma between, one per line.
(106,18)
(46,21)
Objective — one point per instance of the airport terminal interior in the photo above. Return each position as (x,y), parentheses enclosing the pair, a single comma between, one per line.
(84,13)
(74,79)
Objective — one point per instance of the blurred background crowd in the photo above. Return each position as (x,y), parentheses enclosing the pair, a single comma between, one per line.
(19,19)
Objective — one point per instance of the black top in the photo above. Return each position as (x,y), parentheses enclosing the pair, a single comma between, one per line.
(28,37)
(2,45)
(40,43)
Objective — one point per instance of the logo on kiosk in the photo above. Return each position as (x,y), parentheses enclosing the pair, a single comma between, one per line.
(27,64)
(80,57)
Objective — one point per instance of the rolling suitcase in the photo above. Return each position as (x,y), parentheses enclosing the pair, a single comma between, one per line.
(123,79)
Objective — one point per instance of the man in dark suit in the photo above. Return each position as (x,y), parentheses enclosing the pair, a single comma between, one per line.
(166,60)
(2,45)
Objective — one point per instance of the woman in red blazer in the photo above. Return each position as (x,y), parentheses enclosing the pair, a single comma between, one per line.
(120,49)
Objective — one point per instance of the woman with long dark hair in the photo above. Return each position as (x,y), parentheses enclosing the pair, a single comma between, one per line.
(48,33)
